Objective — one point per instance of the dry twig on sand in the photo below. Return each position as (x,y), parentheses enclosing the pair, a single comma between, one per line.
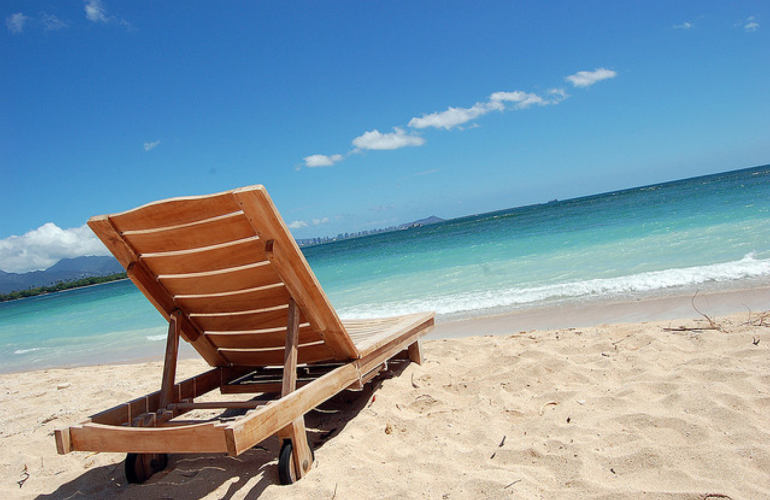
(714,325)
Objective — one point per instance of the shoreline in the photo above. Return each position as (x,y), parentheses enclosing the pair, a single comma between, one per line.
(608,312)
(572,314)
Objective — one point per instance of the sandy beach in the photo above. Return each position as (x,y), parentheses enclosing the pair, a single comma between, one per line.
(664,409)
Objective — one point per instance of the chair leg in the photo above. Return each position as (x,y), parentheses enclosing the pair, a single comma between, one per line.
(302,456)
(415,353)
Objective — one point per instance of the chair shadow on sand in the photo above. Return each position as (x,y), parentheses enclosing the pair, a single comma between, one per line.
(195,476)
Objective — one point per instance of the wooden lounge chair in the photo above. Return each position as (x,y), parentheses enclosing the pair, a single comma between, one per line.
(227,274)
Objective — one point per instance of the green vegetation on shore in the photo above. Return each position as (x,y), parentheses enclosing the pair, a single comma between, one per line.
(62,285)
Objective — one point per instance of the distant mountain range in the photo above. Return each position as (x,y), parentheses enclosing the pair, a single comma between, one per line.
(64,270)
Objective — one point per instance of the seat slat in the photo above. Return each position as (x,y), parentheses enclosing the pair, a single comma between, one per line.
(313,353)
(275,337)
(229,280)
(252,320)
(223,229)
(246,300)
(175,211)
(370,334)
(211,258)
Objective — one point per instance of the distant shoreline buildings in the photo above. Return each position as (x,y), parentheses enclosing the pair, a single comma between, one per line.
(303,242)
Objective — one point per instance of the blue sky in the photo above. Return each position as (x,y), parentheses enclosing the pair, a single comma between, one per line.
(357,114)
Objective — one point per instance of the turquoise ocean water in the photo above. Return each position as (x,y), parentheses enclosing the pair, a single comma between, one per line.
(706,233)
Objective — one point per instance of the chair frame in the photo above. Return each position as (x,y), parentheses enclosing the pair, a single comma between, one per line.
(150,425)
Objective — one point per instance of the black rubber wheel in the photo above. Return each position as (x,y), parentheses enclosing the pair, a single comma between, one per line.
(141,466)
(287,472)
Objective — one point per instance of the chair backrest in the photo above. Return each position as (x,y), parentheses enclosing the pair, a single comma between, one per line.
(229,264)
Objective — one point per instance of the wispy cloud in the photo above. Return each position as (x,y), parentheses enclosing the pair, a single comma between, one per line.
(684,26)
(750,25)
(313,161)
(96,12)
(588,78)
(399,138)
(299,224)
(51,22)
(16,22)
(522,100)
(43,247)
(452,117)
(498,101)
(459,117)
(149,146)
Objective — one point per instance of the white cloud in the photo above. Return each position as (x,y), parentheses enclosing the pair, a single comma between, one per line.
(322,160)
(557,95)
(452,117)
(96,12)
(43,247)
(498,101)
(149,146)
(51,22)
(458,117)
(299,224)
(15,23)
(588,78)
(684,26)
(751,25)
(521,99)
(374,139)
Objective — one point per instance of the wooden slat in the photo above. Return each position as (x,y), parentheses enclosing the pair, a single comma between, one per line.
(242,300)
(274,337)
(145,281)
(294,269)
(201,438)
(223,229)
(228,280)
(241,321)
(190,388)
(216,405)
(106,232)
(175,211)
(313,353)
(209,258)
(259,387)
(397,343)
(371,334)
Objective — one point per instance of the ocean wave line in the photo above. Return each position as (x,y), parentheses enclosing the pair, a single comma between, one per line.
(746,268)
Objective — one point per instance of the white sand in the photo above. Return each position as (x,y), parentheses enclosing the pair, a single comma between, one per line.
(612,412)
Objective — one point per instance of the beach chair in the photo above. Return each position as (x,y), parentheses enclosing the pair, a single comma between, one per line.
(227,274)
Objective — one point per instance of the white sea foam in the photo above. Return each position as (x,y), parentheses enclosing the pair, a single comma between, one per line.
(473,302)
(25,351)
(156,338)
